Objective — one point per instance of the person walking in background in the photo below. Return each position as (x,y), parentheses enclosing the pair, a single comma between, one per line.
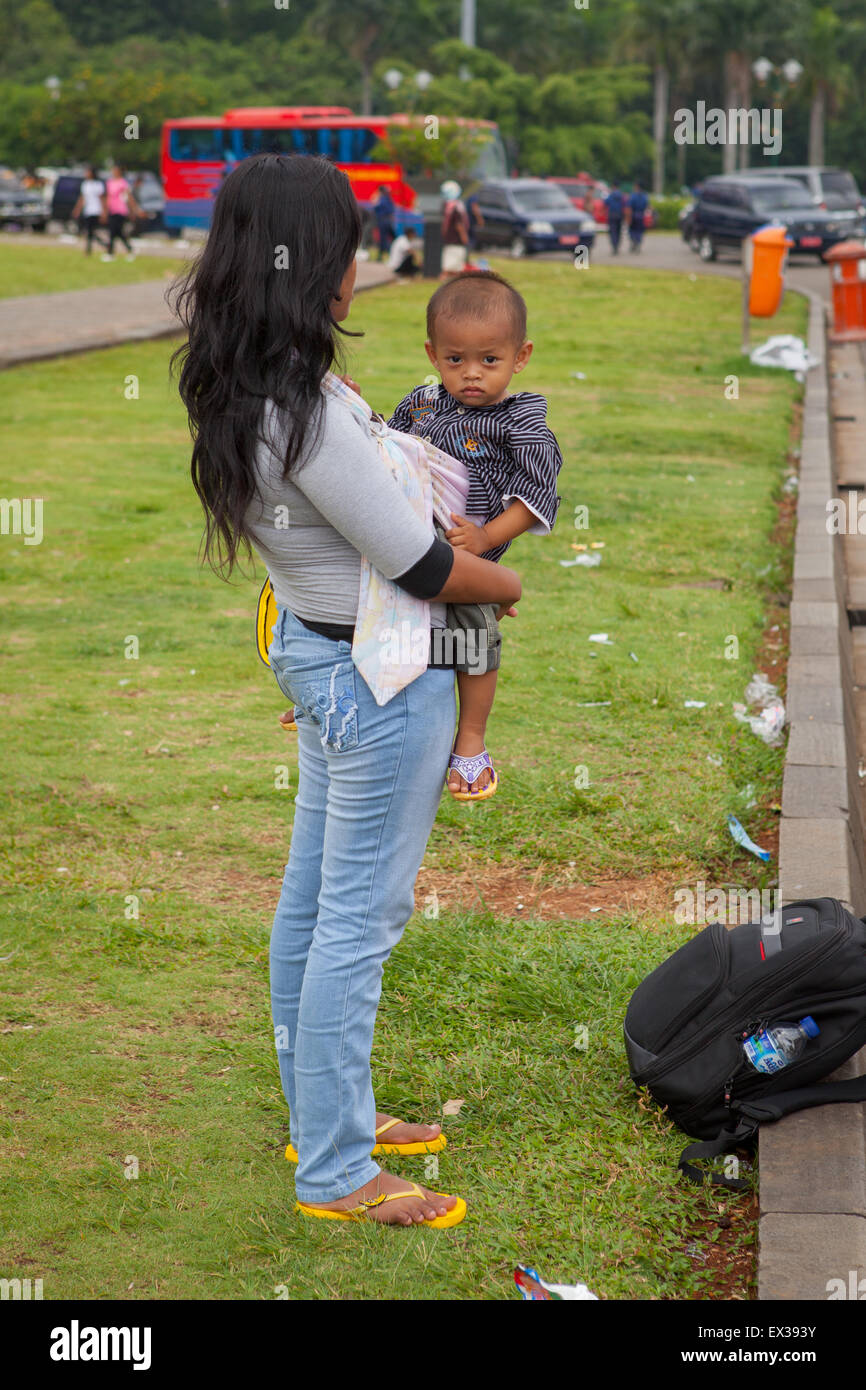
(120,204)
(455,229)
(383,211)
(476,220)
(637,208)
(90,207)
(615,204)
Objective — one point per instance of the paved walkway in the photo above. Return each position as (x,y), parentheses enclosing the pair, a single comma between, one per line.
(53,325)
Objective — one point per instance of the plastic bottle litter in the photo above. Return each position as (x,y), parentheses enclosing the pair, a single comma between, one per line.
(534,1289)
(771,1049)
(739,834)
(587,561)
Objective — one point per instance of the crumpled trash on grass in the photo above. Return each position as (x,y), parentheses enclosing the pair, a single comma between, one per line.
(588,561)
(786,351)
(769,722)
(742,838)
(534,1289)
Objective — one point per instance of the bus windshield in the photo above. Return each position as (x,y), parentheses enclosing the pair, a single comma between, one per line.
(197,144)
(343,144)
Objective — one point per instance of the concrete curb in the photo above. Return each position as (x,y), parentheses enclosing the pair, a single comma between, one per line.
(812,1224)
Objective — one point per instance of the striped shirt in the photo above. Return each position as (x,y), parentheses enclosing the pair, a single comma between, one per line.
(508,448)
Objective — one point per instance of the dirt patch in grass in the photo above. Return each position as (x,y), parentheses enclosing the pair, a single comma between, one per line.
(511,891)
(508,890)
(714,1244)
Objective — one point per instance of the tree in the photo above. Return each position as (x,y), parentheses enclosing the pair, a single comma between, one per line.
(660,31)
(819,40)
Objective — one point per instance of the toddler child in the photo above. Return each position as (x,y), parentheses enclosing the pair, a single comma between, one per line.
(476,339)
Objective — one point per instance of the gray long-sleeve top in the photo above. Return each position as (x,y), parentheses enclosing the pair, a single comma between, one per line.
(339,503)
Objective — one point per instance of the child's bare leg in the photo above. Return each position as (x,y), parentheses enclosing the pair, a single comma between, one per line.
(476,701)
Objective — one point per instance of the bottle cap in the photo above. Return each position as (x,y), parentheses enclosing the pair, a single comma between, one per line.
(809,1026)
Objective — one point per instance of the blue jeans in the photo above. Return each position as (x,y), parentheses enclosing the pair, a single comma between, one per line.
(369,782)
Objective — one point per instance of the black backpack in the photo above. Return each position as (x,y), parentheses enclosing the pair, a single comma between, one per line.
(686,1023)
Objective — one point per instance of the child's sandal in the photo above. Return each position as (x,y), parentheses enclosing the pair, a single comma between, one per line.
(470,769)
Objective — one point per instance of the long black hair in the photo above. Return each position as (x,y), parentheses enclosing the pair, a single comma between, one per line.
(257,310)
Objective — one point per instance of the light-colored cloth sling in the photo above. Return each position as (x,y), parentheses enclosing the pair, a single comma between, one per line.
(392,629)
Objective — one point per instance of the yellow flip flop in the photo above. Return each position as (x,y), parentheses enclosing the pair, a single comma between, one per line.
(359,1213)
(470,769)
(417,1146)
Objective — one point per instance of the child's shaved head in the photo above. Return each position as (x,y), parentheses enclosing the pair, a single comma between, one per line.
(478,294)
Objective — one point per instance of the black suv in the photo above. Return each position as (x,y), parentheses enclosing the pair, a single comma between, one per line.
(531,215)
(730,207)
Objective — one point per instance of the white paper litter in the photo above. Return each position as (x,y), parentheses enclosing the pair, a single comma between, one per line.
(588,561)
(694,704)
(786,351)
(601,637)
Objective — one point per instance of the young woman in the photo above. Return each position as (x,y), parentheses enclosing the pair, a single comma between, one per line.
(281,464)
(90,207)
(120,204)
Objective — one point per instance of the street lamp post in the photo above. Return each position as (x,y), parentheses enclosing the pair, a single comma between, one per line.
(777,80)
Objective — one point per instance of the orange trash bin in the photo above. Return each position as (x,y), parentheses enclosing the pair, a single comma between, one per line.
(847,263)
(769,247)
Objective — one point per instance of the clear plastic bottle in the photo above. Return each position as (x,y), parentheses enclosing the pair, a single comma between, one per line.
(771,1049)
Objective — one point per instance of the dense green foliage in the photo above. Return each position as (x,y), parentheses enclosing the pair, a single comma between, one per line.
(571,88)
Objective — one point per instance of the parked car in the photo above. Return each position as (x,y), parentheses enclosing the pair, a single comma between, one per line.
(67,187)
(529,215)
(22,207)
(730,207)
(588,195)
(832,190)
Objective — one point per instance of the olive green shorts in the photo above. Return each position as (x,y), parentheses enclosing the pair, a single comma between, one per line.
(472,636)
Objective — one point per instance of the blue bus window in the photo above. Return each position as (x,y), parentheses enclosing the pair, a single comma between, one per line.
(196,144)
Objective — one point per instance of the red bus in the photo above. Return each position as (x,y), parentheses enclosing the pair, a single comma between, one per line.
(198,150)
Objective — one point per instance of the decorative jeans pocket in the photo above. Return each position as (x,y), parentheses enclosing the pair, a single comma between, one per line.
(326,695)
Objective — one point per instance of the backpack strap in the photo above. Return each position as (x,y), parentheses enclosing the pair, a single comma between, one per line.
(753,1113)
(725,1142)
(770,1108)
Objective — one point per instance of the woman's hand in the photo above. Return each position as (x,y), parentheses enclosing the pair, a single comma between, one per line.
(353,385)
(506,612)
(469,536)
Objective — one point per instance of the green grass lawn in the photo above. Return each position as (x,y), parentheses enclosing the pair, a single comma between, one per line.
(147,786)
(29,269)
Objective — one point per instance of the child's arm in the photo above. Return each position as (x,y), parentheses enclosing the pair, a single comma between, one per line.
(402,418)
(516,519)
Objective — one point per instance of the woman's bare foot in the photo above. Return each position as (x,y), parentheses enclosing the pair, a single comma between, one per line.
(403,1133)
(468,744)
(410,1211)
